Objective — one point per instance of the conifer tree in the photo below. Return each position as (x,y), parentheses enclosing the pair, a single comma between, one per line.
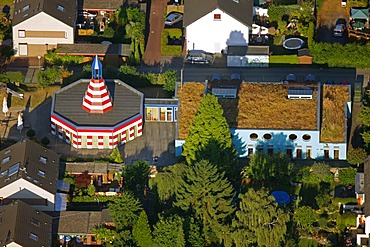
(209,137)
(205,192)
(169,232)
(141,231)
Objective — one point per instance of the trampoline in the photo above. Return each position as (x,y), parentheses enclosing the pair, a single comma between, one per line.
(281,197)
(293,43)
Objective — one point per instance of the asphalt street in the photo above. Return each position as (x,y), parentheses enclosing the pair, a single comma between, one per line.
(200,73)
(271,74)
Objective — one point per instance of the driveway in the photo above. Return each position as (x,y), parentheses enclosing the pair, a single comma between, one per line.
(152,55)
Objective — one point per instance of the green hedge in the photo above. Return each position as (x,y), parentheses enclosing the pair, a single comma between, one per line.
(171,50)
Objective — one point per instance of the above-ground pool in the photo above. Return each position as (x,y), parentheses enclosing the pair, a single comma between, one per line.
(293,43)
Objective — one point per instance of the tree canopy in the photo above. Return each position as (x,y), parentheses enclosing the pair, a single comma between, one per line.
(205,192)
(347,176)
(141,231)
(209,137)
(305,216)
(169,232)
(356,156)
(136,177)
(259,221)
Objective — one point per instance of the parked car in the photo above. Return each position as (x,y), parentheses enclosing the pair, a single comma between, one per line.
(199,56)
(173,18)
(339,30)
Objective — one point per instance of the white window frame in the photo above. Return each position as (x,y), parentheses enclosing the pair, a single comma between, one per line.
(21,34)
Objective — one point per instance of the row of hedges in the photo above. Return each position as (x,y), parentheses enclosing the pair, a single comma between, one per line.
(171,50)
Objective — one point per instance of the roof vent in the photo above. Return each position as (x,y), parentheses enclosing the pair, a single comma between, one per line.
(300,93)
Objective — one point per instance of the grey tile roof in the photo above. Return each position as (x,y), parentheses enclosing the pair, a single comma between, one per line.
(195,9)
(28,155)
(66,13)
(127,102)
(91,168)
(94,49)
(77,222)
(102,5)
(248,50)
(19,220)
(155,101)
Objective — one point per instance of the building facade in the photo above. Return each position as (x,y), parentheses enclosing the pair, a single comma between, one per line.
(97,113)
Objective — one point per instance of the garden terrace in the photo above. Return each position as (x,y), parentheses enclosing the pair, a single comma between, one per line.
(190,97)
(334,113)
(266,106)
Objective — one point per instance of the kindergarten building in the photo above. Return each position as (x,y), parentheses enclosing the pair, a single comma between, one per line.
(97,113)
(305,120)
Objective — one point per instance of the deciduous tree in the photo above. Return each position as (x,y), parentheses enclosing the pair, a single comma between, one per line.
(305,216)
(356,156)
(136,177)
(259,221)
(347,176)
(206,193)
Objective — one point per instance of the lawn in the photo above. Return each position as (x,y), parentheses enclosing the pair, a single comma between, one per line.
(333,113)
(190,97)
(305,242)
(266,106)
(284,59)
(3,2)
(33,95)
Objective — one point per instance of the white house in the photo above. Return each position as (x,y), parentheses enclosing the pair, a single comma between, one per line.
(39,25)
(29,172)
(213,25)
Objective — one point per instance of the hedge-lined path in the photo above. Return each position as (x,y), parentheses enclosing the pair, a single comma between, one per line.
(152,55)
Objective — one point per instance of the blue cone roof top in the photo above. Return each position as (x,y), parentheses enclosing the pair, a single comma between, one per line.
(96,69)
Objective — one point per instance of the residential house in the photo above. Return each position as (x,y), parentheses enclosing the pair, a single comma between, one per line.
(29,172)
(362,187)
(40,25)
(214,25)
(22,225)
(79,225)
(304,120)
(104,8)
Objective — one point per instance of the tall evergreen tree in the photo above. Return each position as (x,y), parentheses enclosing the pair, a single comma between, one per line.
(259,221)
(193,232)
(169,232)
(209,136)
(124,211)
(167,182)
(206,193)
(141,231)
(136,177)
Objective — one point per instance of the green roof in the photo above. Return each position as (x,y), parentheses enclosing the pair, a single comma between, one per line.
(360,14)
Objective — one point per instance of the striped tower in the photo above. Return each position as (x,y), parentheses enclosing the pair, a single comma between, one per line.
(97,98)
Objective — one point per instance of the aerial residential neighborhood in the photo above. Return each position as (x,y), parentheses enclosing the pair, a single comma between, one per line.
(224,123)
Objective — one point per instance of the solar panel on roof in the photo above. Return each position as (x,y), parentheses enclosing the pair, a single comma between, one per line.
(300,91)
(224,92)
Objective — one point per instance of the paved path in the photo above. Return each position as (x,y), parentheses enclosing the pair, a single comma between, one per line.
(152,54)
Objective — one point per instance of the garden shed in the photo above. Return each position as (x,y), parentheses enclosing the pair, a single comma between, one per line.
(304,56)
(359,14)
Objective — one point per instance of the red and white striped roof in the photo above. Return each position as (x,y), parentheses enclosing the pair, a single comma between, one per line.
(97,98)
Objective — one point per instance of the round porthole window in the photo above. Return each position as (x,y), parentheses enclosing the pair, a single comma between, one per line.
(306,137)
(292,137)
(267,136)
(253,136)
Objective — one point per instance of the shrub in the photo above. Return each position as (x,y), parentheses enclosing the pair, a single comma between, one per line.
(168,79)
(48,76)
(356,156)
(91,190)
(346,219)
(52,58)
(45,141)
(347,176)
(31,133)
(6,51)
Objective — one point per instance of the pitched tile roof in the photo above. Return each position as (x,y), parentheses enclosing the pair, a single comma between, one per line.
(31,161)
(19,220)
(77,222)
(63,10)
(241,10)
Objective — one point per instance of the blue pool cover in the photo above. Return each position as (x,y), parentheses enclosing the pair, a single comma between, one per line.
(281,197)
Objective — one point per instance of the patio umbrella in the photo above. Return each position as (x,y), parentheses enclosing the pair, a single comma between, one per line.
(5,106)
(358,24)
(20,123)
